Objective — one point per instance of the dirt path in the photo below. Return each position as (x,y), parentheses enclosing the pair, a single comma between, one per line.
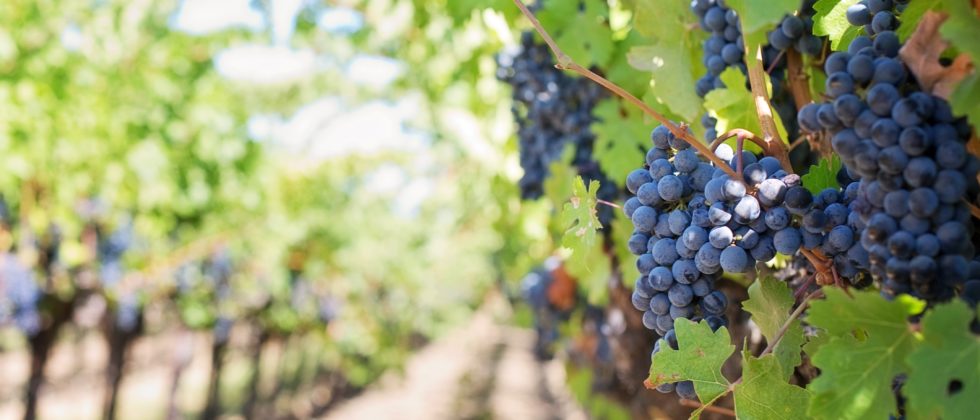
(483,370)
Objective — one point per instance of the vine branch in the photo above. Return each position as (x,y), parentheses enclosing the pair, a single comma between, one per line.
(708,408)
(789,321)
(973,209)
(678,130)
(770,134)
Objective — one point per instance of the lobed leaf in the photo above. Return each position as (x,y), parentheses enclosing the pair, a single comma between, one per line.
(770,303)
(699,358)
(944,376)
(830,19)
(764,392)
(823,175)
(869,340)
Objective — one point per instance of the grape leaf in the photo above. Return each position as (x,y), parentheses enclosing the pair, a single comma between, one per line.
(830,19)
(581,29)
(734,107)
(823,175)
(672,55)
(965,98)
(856,373)
(949,352)
(462,10)
(580,220)
(622,73)
(764,392)
(770,303)
(621,135)
(699,358)
(760,16)
(921,53)
(962,29)
(814,343)
(912,15)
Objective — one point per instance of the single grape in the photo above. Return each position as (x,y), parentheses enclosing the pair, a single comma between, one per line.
(734,260)
(661,279)
(787,241)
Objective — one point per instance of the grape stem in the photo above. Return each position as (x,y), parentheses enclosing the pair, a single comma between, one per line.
(789,321)
(974,210)
(708,408)
(608,203)
(772,66)
(739,147)
(799,88)
(678,130)
(774,145)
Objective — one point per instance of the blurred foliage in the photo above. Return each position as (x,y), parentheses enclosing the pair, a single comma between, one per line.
(132,121)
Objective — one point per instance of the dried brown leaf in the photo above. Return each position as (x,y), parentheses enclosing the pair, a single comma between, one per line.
(921,52)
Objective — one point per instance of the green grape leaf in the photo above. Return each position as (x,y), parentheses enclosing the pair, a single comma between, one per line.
(622,73)
(620,138)
(699,358)
(965,98)
(962,28)
(869,341)
(770,303)
(911,16)
(949,353)
(462,10)
(830,19)
(823,175)
(734,107)
(672,55)
(814,343)
(582,32)
(764,392)
(760,16)
(580,220)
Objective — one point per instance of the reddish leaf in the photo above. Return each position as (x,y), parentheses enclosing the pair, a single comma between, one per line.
(921,52)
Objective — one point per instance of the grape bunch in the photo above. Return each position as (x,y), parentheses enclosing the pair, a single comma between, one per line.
(552,110)
(535,288)
(110,252)
(725,45)
(20,295)
(796,32)
(908,151)
(828,226)
(722,49)
(876,16)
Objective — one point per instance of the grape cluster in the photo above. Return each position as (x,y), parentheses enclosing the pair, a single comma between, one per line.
(110,252)
(552,110)
(547,317)
(129,312)
(908,150)
(796,31)
(876,16)
(725,45)
(722,49)
(828,225)
(19,296)
(668,207)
